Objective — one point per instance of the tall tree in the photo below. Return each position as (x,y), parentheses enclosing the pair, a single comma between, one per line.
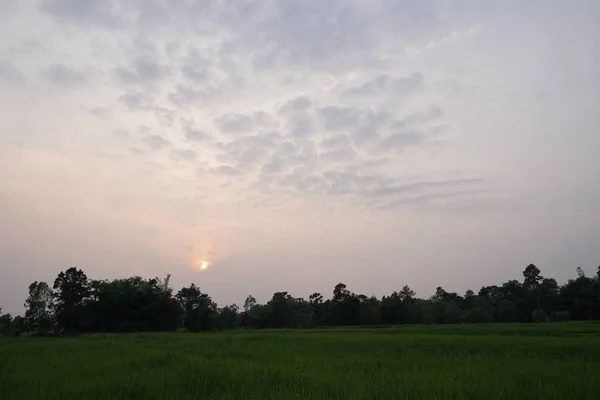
(5,323)
(200,311)
(71,289)
(532,275)
(249,303)
(38,306)
(316,302)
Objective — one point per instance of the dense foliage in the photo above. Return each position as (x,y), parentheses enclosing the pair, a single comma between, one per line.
(76,304)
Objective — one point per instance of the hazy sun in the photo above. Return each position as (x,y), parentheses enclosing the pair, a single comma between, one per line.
(203,265)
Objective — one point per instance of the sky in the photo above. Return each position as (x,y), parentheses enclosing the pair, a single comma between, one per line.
(297,144)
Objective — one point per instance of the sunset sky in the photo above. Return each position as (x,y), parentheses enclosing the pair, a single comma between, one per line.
(297,144)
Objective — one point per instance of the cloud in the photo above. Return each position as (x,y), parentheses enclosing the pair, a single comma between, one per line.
(63,75)
(101,112)
(433,113)
(271,168)
(296,104)
(342,155)
(384,83)
(338,117)
(249,152)
(371,126)
(9,74)
(336,142)
(196,68)
(390,190)
(235,123)
(402,140)
(227,171)
(183,155)
(137,100)
(103,13)
(300,126)
(302,33)
(156,142)
(196,136)
(142,71)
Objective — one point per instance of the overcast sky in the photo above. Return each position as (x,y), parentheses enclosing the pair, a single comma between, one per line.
(297,144)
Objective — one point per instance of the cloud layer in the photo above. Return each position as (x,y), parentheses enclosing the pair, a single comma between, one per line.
(269,132)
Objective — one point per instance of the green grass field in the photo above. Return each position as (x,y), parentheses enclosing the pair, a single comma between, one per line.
(545,361)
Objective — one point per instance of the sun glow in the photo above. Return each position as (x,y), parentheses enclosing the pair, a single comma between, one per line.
(202,258)
(203,265)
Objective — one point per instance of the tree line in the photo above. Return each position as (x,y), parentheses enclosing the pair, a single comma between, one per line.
(75,304)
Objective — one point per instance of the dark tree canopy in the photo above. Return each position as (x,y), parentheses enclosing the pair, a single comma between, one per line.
(71,290)
(76,304)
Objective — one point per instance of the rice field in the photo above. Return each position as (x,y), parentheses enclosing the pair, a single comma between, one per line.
(544,361)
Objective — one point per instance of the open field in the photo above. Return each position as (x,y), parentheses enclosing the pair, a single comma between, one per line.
(544,361)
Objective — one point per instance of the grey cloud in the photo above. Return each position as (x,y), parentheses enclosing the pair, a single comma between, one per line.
(266,139)
(321,34)
(287,148)
(300,126)
(227,170)
(185,95)
(416,186)
(195,67)
(248,152)
(428,198)
(433,113)
(101,112)
(370,127)
(135,100)
(156,142)
(368,189)
(184,155)
(386,84)
(313,32)
(299,103)
(235,123)
(330,182)
(402,140)
(141,71)
(250,157)
(336,142)
(343,155)
(84,12)
(164,116)
(60,74)
(271,168)
(303,183)
(196,135)
(336,117)
(10,74)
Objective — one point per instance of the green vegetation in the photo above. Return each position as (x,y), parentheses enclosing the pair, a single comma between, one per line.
(543,361)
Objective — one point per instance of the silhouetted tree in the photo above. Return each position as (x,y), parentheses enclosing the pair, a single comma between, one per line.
(71,290)
(137,304)
(200,312)
(38,306)
(5,324)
